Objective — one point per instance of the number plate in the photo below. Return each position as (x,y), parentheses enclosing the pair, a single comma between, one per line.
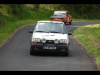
(47,47)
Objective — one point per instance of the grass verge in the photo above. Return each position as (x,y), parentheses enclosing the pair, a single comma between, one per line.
(89,36)
(74,19)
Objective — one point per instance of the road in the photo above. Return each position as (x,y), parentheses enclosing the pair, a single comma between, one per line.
(15,54)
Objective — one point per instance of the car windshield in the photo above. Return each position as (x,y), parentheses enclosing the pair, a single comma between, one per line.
(50,27)
(59,14)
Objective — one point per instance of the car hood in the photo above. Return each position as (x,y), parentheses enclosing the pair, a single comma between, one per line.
(50,36)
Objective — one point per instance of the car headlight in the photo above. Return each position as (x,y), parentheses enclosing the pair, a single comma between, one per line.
(56,41)
(36,40)
(43,40)
(64,41)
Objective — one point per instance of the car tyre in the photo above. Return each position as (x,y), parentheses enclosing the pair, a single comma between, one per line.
(67,52)
(70,22)
(66,22)
(32,52)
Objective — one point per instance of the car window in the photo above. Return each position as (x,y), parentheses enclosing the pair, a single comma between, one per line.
(48,27)
(59,13)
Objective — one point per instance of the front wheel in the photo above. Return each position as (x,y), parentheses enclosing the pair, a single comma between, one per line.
(66,22)
(70,22)
(67,52)
(32,52)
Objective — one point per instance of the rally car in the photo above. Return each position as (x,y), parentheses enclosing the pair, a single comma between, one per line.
(49,36)
(62,16)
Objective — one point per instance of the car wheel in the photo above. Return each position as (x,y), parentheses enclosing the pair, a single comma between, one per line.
(66,22)
(66,53)
(70,22)
(32,52)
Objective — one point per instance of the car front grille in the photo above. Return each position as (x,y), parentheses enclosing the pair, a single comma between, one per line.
(50,42)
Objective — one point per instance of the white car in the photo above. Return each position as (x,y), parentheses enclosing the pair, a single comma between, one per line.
(50,36)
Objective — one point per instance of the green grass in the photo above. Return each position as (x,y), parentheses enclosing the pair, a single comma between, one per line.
(89,36)
(74,19)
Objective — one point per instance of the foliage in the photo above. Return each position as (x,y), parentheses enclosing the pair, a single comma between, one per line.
(85,11)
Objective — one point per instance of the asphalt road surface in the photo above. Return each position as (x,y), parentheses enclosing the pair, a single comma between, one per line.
(15,54)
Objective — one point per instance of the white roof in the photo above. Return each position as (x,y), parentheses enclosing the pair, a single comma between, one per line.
(59,12)
(51,21)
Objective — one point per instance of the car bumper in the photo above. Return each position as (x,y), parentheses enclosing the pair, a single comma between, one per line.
(59,48)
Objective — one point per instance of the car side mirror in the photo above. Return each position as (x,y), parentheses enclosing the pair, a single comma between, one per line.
(69,33)
(30,31)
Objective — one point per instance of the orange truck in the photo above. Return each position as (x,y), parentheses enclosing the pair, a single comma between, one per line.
(62,16)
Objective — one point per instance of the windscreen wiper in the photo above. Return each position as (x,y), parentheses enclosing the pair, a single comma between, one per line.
(41,31)
(54,32)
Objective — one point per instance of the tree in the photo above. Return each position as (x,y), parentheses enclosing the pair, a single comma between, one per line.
(14,8)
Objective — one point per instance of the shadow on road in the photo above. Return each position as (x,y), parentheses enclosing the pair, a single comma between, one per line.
(46,54)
